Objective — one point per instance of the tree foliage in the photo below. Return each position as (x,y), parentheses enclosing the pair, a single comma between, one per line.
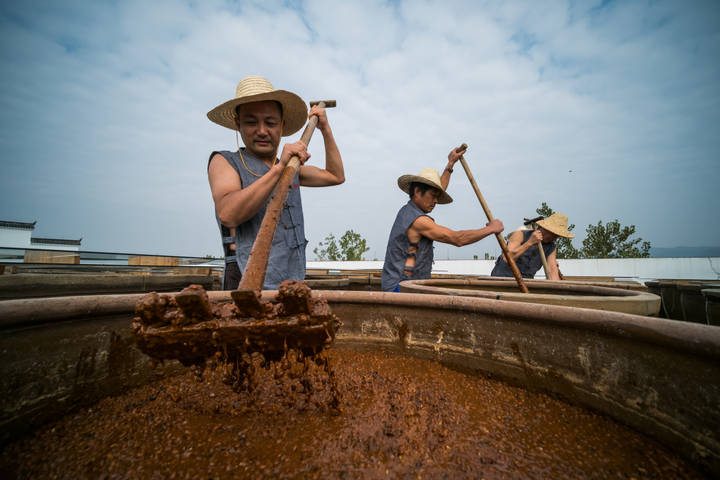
(612,240)
(351,246)
(327,249)
(565,248)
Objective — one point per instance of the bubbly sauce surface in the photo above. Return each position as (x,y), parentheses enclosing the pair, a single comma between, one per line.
(397,417)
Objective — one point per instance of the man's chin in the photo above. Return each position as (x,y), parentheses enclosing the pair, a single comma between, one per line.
(263,150)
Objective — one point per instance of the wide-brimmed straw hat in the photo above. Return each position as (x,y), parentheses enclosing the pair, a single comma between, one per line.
(428,176)
(556,223)
(258,89)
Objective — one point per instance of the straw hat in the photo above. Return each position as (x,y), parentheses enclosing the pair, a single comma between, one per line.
(258,89)
(556,223)
(428,176)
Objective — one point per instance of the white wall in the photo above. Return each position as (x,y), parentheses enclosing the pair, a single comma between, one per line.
(364,265)
(56,246)
(640,269)
(700,268)
(15,238)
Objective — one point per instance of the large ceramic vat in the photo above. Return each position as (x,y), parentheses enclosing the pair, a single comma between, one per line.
(358,280)
(656,375)
(543,292)
(712,305)
(683,299)
(653,286)
(692,300)
(593,281)
(344,281)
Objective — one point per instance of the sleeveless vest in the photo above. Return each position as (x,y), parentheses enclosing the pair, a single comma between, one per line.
(287,253)
(397,249)
(528,263)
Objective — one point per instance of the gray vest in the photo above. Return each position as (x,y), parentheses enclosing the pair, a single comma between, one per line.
(287,254)
(397,249)
(528,263)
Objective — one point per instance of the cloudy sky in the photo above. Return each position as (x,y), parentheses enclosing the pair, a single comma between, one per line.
(603,109)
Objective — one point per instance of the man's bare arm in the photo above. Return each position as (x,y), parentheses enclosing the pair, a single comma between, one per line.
(517,247)
(334,173)
(553,273)
(453,157)
(235,204)
(428,228)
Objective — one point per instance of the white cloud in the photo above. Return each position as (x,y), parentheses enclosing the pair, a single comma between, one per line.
(104,128)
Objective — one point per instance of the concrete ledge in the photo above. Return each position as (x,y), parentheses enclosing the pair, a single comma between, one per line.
(45,285)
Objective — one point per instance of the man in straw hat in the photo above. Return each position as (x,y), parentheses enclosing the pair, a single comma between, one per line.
(409,251)
(522,246)
(242,181)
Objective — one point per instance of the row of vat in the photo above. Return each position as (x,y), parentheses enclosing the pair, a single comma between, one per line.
(695,301)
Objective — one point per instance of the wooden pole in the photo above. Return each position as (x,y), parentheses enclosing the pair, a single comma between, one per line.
(501,241)
(544,261)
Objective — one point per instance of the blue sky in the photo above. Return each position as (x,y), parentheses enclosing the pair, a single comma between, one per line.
(604,110)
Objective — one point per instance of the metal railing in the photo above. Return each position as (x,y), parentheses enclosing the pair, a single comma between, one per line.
(33,258)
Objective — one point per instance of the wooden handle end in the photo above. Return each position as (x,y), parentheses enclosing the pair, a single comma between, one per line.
(326,103)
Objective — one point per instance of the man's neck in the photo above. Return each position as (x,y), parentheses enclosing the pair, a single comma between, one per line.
(268,160)
(417,205)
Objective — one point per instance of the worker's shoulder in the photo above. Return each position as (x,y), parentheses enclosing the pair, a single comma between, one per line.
(220,159)
(423,221)
(220,166)
(220,154)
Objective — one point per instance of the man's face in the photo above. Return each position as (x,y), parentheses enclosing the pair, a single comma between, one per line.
(547,236)
(260,126)
(426,201)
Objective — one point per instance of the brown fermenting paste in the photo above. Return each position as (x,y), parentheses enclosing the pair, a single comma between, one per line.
(397,417)
(189,328)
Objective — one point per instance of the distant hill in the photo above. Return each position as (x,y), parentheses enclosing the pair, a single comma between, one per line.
(682,252)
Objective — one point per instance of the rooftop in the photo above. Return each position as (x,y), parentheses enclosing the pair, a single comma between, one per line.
(55,241)
(18,225)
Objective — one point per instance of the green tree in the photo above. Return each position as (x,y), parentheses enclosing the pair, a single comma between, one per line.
(612,240)
(351,246)
(565,247)
(327,249)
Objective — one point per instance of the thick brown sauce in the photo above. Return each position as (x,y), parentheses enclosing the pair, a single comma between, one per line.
(189,328)
(398,417)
